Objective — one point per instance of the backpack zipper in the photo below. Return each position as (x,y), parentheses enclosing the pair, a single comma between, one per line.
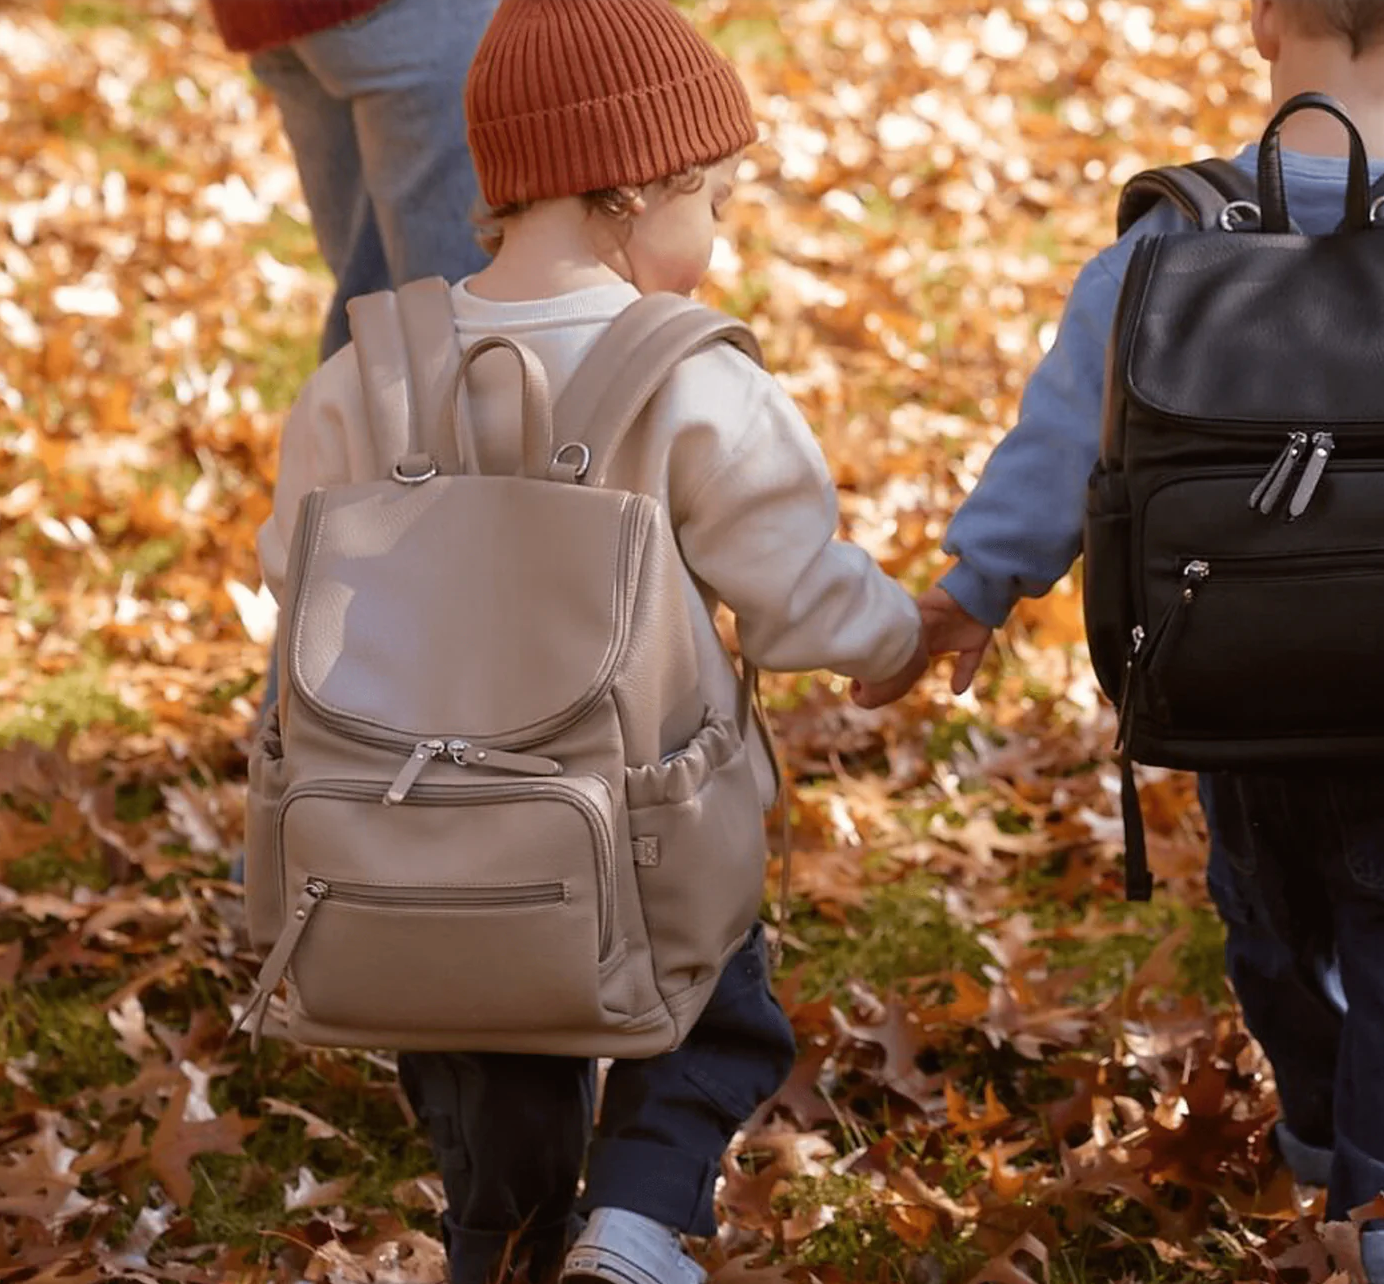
(426,897)
(316,890)
(1146,648)
(476,795)
(1323,443)
(464,754)
(1122,722)
(1271,486)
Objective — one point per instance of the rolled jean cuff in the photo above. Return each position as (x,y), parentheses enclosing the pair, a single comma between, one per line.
(1372,1255)
(655,1181)
(1311,1165)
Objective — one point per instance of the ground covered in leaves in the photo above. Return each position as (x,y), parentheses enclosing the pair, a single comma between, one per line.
(1007,1074)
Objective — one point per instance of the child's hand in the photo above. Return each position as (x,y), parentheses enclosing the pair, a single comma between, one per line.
(947,630)
(871,695)
(950,630)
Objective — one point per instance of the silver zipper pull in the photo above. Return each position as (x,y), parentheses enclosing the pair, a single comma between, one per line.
(314,892)
(1194,574)
(1122,721)
(465,754)
(1323,443)
(1271,486)
(423,753)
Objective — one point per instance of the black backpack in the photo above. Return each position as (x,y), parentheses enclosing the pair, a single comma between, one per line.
(1234,544)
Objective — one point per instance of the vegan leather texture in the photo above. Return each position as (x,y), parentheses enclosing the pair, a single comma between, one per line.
(1234,547)
(492,810)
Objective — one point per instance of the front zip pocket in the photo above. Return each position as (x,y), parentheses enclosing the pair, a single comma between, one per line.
(479,907)
(1267,645)
(519,896)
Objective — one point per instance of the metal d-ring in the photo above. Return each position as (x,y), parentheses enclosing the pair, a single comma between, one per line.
(414,479)
(583,456)
(1241,216)
(1377,212)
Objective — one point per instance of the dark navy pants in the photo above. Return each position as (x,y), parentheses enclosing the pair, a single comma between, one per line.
(512,1134)
(1297,870)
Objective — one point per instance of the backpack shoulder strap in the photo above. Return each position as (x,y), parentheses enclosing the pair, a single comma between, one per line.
(627,366)
(408,354)
(1200,192)
(1376,199)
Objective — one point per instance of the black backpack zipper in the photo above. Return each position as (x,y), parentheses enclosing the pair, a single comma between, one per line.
(1271,487)
(1145,648)
(1323,443)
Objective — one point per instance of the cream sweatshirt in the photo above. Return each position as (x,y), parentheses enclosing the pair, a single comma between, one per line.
(721,445)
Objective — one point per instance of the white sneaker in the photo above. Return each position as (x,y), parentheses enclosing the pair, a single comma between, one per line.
(620,1247)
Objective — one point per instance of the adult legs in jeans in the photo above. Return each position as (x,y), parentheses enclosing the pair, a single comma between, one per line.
(510,1132)
(373,110)
(1316,841)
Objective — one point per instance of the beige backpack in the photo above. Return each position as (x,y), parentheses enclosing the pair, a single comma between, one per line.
(492,810)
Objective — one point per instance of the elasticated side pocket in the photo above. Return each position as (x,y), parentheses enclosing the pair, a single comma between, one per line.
(697,829)
(268,778)
(1106,577)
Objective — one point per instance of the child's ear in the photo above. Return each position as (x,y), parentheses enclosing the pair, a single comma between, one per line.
(1266,21)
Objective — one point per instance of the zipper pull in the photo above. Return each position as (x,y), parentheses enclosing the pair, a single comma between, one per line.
(1194,575)
(423,753)
(314,893)
(1136,644)
(1323,443)
(465,754)
(1270,488)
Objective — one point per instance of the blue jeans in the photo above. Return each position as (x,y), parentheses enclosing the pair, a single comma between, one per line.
(511,1133)
(1297,870)
(373,110)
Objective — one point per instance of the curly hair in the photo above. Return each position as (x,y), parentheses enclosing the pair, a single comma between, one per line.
(619,204)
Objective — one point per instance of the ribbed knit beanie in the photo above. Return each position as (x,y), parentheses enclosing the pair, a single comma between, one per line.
(572,96)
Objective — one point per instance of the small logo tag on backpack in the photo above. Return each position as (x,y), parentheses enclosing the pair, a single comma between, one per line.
(646,851)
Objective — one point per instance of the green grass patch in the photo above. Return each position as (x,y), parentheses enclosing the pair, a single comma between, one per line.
(751,40)
(59,1024)
(82,15)
(1111,961)
(903,931)
(289,241)
(76,699)
(52,868)
(236,1197)
(283,368)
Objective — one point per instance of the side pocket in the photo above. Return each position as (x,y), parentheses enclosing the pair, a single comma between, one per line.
(697,830)
(268,777)
(1106,577)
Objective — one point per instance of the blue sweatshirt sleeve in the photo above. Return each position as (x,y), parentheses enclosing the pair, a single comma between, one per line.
(1019,531)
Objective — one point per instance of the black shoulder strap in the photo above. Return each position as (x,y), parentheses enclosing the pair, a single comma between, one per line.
(1200,192)
(1376,195)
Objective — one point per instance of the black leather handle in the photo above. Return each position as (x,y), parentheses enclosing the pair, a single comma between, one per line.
(1273,197)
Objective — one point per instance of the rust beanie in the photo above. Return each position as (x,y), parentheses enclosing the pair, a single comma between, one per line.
(573,96)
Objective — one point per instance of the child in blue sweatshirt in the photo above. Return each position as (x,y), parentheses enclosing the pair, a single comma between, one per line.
(1297,861)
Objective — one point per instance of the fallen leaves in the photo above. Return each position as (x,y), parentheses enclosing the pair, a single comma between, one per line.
(178,1139)
(932,176)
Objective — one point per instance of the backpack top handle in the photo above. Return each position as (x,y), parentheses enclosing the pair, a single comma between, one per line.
(536,407)
(1273,198)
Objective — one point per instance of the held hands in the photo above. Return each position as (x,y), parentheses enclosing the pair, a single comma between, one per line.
(946,630)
